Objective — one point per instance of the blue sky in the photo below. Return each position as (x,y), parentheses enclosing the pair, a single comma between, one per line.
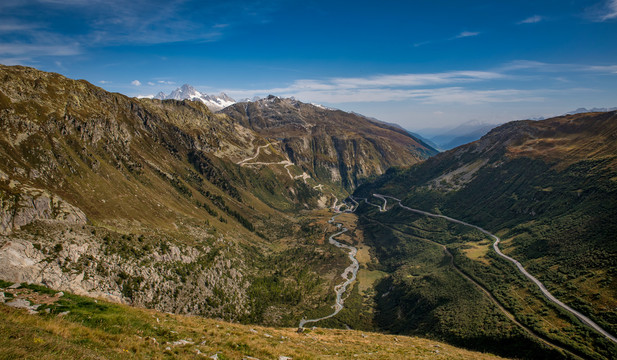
(417,63)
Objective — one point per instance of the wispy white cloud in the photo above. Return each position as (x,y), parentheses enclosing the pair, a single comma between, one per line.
(11,26)
(543,67)
(462,34)
(39,49)
(603,11)
(18,60)
(136,83)
(166,82)
(116,22)
(603,68)
(421,43)
(24,42)
(461,87)
(610,11)
(465,34)
(531,20)
(524,64)
(409,80)
(427,88)
(103,82)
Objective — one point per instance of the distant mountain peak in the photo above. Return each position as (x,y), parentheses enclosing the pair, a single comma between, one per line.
(585,110)
(188,92)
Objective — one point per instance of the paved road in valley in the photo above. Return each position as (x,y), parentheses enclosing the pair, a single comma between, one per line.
(584,319)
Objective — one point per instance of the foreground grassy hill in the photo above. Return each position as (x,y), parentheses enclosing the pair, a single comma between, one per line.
(549,190)
(71,326)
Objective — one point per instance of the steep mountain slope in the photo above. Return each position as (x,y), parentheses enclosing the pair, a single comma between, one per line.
(92,147)
(549,190)
(331,146)
(142,201)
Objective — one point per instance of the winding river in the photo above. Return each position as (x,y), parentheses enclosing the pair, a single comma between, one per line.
(349,274)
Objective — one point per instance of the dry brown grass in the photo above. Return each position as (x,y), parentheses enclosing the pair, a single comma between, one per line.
(44,337)
(477,251)
(567,139)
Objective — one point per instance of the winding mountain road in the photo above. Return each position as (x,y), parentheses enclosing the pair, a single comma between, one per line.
(584,319)
(286,163)
(243,162)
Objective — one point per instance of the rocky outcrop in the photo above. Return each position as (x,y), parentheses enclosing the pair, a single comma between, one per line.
(21,205)
(77,262)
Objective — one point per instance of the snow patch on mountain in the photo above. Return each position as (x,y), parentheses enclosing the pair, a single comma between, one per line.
(585,110)
(187,92)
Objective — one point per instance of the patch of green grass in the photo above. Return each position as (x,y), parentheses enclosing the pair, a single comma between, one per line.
(367,279)
(38,288)
(98,329)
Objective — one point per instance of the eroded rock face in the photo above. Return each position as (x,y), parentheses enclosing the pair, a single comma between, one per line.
(22,205)
(74,261)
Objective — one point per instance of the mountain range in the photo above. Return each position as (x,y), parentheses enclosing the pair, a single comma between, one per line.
(451,137)
(244,214)
(187,92)
(167,205)
(332,146)
(595,109)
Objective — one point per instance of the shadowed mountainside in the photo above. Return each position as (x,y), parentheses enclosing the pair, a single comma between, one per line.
(549,190)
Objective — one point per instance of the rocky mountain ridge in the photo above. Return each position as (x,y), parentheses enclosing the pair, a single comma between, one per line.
(330,145)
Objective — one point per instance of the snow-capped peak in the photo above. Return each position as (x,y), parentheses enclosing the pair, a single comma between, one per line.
(253,99)
(187,92)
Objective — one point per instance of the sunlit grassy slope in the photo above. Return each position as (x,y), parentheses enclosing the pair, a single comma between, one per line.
(83,328)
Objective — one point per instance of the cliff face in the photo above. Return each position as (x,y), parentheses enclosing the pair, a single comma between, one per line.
(83,264)
(330,145)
